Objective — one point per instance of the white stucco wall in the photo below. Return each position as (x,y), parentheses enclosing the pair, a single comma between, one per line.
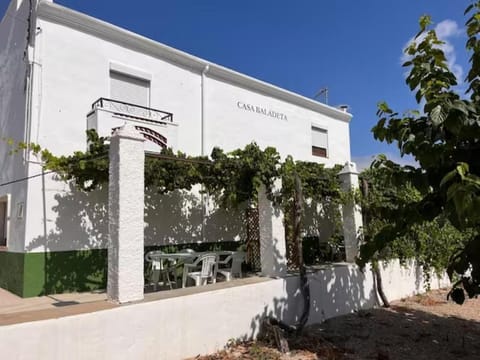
(185,326)
(14,58)
(84,77)
(230,126)
(67,96)
(75,65)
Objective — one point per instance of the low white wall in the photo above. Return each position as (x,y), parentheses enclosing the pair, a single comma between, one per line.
(202,323)
(400,281)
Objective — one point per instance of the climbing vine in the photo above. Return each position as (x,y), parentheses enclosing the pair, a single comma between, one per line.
(87,169)
(323,195)
(229,178)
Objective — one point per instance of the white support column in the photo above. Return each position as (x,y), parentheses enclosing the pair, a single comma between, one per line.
(125,214)
(352,216)
(272,237)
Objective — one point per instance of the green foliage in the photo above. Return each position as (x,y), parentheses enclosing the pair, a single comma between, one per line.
(318,182)
(231,178)
(174,171)
(444,138)
(236,177)
(321,188)
(88,169)
(431,243)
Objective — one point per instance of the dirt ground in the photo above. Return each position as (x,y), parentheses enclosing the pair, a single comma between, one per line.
(421,327)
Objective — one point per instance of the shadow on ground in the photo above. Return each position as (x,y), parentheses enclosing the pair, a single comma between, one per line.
(399,333)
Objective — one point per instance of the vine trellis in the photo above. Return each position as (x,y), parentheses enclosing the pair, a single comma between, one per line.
(230,179)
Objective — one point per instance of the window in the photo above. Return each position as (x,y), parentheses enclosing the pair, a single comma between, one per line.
(129,89)
(319,142)
(4,219)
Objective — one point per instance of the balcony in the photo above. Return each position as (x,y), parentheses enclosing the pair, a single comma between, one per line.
(127,110)
(157,126)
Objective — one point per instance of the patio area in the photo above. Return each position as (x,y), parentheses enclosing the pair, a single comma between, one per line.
(14,309)
(182,267)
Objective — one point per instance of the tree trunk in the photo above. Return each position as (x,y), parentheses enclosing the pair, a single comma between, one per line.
(304,286)
(375,265)
(378,281)
(275,328)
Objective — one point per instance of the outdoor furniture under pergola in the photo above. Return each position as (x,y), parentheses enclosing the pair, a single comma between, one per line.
(202,267)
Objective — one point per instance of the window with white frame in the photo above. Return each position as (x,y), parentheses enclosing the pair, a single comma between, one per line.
(129,89)
(319,142)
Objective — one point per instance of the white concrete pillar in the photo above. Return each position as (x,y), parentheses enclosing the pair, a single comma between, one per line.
(352,216)
(272,237)
(125,216)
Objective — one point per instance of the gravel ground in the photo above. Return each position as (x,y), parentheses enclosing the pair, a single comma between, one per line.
(421,327)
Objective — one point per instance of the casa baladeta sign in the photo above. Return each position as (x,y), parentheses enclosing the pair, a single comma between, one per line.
(261,110)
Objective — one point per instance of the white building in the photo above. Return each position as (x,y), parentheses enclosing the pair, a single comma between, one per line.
(62,72)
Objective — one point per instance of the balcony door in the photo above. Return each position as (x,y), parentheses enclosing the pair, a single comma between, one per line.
(129,89)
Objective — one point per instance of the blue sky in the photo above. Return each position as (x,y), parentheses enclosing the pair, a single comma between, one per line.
(352,47)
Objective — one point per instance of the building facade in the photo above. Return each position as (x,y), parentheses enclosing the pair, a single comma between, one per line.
(64,72)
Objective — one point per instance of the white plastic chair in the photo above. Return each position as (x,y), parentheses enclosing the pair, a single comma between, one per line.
(161,268)
(201,270)
(235,270)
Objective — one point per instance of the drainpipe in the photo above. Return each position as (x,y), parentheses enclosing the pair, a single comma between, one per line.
(204,112)
(29,53)
(28,109)
(204,198)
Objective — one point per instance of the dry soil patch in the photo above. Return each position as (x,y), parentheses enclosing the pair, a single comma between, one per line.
(421,327)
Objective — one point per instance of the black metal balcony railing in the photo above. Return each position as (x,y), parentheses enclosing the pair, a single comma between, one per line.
(133,111)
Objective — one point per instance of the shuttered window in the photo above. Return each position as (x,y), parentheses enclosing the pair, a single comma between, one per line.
(129,89)
(319,142)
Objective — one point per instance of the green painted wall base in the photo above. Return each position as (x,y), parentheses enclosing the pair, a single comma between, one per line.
(35,274)
(11,272)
